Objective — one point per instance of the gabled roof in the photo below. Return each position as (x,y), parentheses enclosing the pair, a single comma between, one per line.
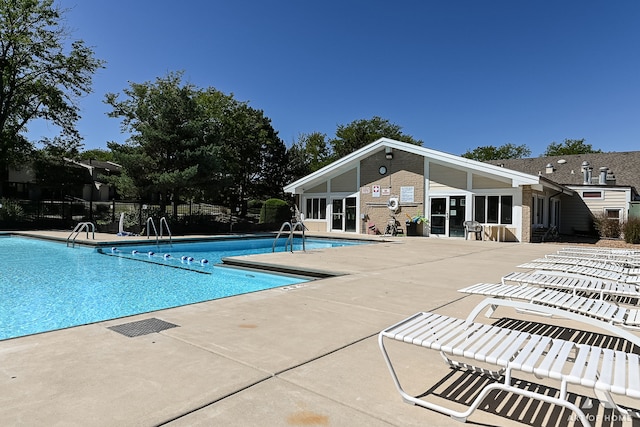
(567,170)
(352,160)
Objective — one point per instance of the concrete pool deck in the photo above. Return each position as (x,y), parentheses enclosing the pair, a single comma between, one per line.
(302,355)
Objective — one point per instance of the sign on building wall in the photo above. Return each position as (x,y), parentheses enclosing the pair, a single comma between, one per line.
(365,190)
(376,191)
(406,194)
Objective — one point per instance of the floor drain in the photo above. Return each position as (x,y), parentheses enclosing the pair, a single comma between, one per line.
(142,327)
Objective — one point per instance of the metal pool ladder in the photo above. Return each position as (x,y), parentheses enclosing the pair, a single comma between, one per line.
(163,220)
(81,226)
(289,241)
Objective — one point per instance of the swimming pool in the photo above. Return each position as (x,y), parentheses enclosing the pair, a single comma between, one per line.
(47,286)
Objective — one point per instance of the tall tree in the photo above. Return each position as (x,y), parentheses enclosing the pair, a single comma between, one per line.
(490,152)
(570,146)
(96,154)
(43,73)
(308,154)
(359,133)
(167,143)
(253,155)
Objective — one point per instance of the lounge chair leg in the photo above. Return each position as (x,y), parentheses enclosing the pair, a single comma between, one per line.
(462,416)
(491,310)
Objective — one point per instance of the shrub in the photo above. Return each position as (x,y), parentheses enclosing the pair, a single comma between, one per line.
(632,231)
(607,227)
(275,211)
(10,210)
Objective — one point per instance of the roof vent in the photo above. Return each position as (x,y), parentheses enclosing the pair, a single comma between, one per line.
(562,161)
(549,168)
(586,173)
(602,178)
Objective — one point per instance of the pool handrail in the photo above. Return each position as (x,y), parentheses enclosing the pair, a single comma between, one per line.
(78,229)
(164,220)
(155,230)
(289,241)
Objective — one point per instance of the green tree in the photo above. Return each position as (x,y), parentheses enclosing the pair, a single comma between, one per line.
(308,154)
(96,154)
(359,133)
(569,146)
(43,74)
(253,155)
(490,152)
(167,153)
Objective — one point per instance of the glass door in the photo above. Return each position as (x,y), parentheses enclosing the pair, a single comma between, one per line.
(438,218)
(456,216)
(448,215)
(344,214)
(337,214)
(350,210)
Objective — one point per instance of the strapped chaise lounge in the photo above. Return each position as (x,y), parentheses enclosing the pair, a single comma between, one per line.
(607,372)
(602,270)
(600,250)
(542,300)
(613,256)
(574,282)
(618,260)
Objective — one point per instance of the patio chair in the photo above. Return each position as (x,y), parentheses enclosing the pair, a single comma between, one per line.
(509,351)
(473,227)
(548,302)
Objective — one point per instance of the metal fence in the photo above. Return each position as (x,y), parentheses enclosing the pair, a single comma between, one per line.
(64,214)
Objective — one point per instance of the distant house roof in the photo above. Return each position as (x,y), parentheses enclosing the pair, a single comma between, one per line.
(108,166)
(567,170)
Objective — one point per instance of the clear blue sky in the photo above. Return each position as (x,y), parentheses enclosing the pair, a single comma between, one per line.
(456,74)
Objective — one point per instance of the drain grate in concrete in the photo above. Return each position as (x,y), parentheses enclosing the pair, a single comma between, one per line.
(142,327)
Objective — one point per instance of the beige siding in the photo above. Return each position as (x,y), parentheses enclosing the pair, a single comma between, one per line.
(347,182)
(445,178)
(611,199)
(321,188)
(316,225)
(575,216)
(482,182)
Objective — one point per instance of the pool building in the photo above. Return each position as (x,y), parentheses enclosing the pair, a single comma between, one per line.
(391,180)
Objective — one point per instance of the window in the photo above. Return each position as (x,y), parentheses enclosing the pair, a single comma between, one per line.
(479,209)
(493,209)
(506,209)
(592,194)
(316,208)
(612,213)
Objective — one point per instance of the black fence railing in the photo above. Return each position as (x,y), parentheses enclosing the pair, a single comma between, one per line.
(189,218)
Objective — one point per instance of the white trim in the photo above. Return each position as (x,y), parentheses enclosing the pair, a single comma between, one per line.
(352,160)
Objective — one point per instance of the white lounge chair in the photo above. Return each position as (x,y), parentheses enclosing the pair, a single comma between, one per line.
(607,372)
(574,282)
(542,300)
(615,259)
(600,250)
(593,269)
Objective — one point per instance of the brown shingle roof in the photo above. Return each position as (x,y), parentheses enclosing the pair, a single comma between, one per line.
(625,166)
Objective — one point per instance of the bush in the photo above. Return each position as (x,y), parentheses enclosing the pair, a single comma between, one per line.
(632,231)
(607,227)
(10,210)
(275,211)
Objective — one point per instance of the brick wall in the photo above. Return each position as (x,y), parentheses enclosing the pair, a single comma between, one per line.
(404,170)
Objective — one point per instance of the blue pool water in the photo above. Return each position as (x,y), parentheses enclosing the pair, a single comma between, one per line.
(46,286)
